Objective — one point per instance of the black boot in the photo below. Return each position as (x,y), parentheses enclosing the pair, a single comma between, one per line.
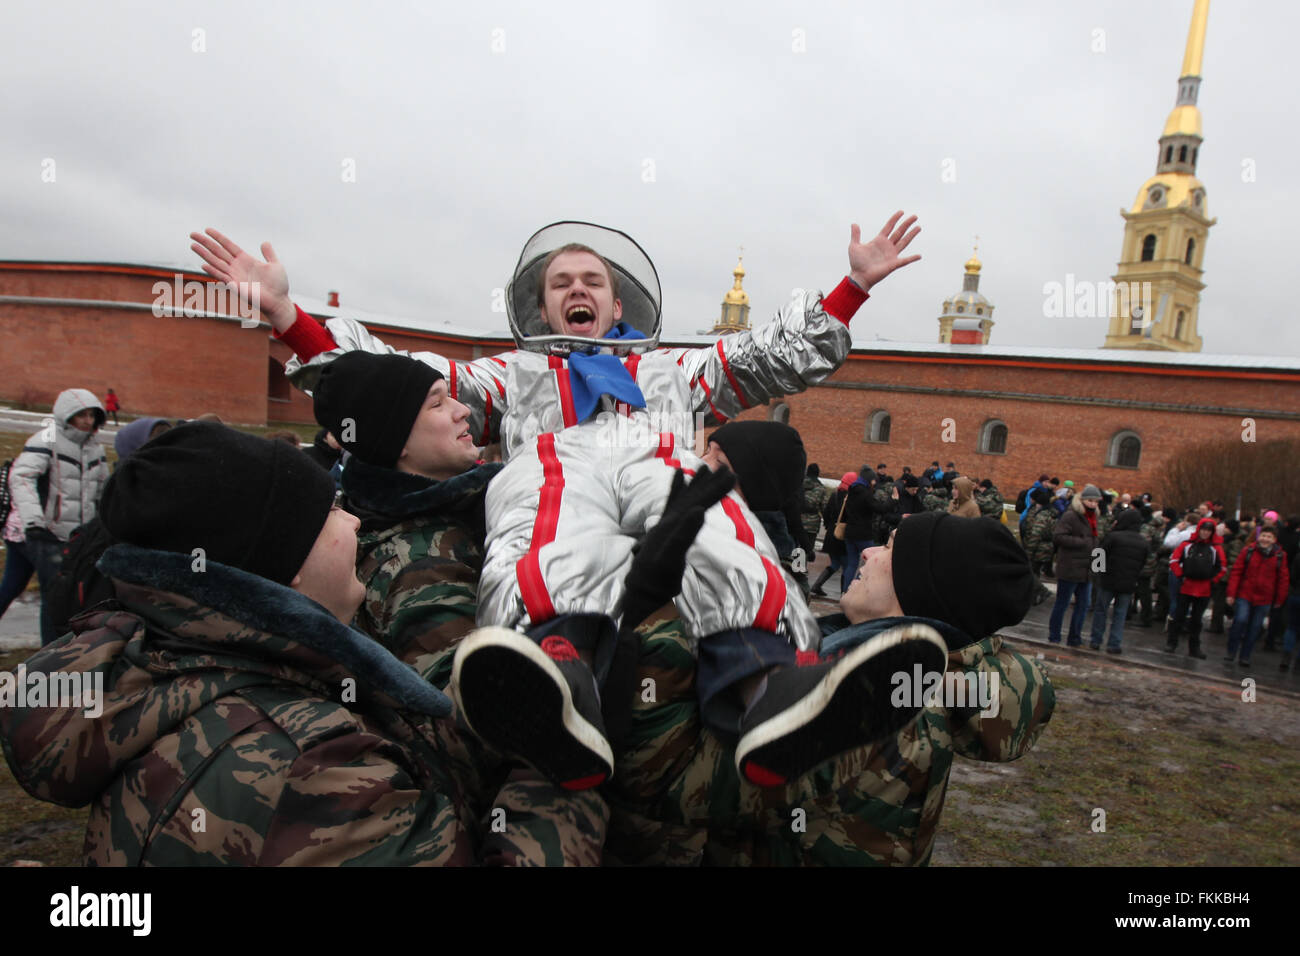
(821,579)
(1171,642)
(1194,648)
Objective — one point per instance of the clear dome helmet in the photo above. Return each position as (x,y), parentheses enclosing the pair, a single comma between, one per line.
(638,282)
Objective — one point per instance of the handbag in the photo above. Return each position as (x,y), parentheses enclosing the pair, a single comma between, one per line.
(840,524)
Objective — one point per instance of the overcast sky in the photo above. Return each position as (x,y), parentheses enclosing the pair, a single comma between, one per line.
(695,127)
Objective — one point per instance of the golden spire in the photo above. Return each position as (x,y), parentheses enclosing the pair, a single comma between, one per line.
(736,295)
(1185,118)
(973,264)
(1196,39)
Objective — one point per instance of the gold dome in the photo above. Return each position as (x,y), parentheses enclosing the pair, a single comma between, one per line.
(973,266)
(736,295)
(1179,189)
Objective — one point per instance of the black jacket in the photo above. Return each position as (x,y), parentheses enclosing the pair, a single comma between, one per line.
(832,544)
(859,512)
(1126,552)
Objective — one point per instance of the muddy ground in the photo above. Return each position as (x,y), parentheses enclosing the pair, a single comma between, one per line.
(1185,770)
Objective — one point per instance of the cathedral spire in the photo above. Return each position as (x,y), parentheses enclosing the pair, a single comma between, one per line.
(1159,277)
(1196,39)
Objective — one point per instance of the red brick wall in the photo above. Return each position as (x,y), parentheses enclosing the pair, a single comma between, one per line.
(1069,440)
(175,367)
(180,367)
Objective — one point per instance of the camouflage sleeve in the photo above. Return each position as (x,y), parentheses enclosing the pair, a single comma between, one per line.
(350,800)
(421,601)
(1022,701)
(534,823)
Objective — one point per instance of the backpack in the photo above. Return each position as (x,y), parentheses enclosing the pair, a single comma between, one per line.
(6,499)
(80,585)
(1200,561)
(6,496)
(1022,502)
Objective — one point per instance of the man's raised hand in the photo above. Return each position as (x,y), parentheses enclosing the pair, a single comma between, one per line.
(869,262)
(261,285)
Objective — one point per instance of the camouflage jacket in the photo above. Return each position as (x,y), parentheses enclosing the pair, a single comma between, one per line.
(677,798)
(419,554)
(936,500)
(1038,533)
(815,496)
(240,723)
(1233,546)
(990,501)
(1154,532)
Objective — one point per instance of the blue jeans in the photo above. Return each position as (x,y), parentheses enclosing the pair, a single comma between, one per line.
(852,558)
(46,556)
(1104,598)
(1292,622)
(18,571)
(1064,591)
(727,658)
(1247,619)
(1175,597)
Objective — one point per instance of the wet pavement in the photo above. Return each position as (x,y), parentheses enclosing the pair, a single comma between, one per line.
(20,627)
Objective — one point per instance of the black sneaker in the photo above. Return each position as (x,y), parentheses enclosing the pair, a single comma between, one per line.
(810,713)
(539,703)
(1228,659)
(1114,650)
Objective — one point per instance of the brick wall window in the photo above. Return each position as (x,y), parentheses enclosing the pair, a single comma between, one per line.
(877,429)
(1125,450)
(993,437)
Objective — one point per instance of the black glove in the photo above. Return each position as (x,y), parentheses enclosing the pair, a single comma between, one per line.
(38,535)
(655,577)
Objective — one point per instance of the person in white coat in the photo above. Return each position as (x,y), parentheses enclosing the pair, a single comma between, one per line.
(56,482)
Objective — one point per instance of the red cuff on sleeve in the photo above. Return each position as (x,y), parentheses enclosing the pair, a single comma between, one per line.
(307,337)
(845,300)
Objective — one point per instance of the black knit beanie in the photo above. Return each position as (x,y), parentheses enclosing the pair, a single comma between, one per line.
(369,402)
(970,574)
(250,503)
(768,459)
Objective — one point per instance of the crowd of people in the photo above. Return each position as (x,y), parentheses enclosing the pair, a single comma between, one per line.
(576,656)
(1122,559)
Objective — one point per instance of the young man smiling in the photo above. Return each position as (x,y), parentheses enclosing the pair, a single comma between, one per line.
(579,489)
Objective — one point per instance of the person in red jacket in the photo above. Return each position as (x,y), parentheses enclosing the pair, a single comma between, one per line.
(112,405)
(1259,582)
(1196,564)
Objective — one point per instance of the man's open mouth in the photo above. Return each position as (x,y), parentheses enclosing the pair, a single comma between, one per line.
(580,319)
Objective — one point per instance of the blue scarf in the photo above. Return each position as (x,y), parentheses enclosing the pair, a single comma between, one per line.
(592,375)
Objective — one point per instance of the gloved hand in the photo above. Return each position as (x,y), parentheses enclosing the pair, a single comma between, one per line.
(655,577)
(35,534)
